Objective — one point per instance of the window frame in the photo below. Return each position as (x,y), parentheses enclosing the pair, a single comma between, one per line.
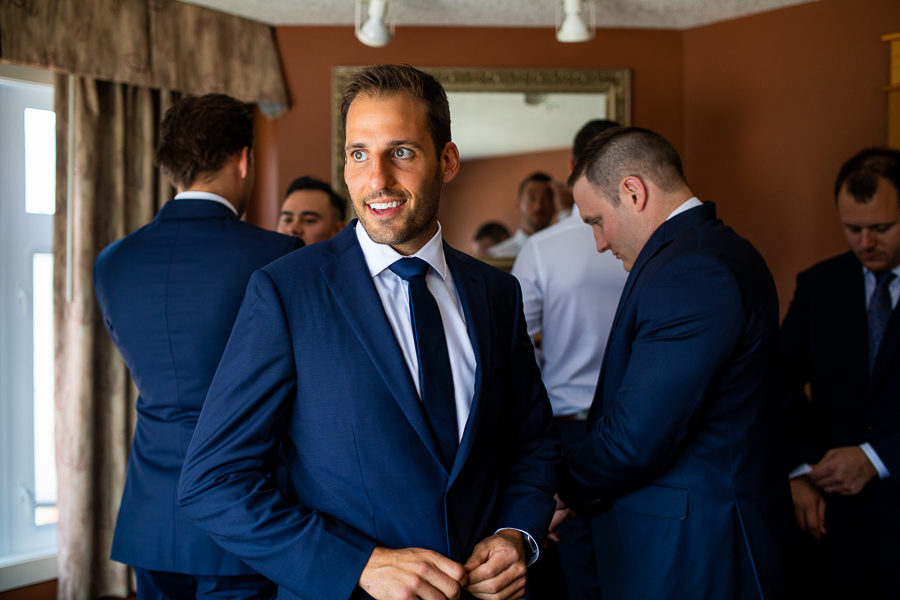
(25,564)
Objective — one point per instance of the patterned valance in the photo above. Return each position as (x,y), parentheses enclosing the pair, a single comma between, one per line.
(152,43)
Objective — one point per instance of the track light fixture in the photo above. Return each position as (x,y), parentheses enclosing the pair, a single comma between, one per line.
(375,31)
(570,21)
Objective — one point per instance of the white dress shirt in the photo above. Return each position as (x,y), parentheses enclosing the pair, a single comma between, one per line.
(692,202)
(509,247)
(192,195)
(394,294)
(570,293)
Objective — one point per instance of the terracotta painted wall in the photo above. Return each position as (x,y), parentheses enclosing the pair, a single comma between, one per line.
(763,109)
(302,138)
(773,104)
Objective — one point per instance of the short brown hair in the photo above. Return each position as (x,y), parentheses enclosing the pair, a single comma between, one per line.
(861,173)
(199,133)
(378,80)
(618,152)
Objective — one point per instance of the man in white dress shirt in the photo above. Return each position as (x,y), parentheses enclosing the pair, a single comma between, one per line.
(570,295)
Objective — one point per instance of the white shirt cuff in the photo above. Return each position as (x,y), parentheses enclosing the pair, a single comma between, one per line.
(801,470)
(876,462)
(531,546)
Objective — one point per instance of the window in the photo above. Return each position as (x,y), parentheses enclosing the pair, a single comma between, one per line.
(27,203)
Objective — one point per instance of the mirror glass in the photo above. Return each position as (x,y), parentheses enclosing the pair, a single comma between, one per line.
(490,124)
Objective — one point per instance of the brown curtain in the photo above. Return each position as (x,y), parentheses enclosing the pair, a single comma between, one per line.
(122,55)
(115,189)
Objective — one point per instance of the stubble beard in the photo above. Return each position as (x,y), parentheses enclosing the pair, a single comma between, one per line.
(412,224)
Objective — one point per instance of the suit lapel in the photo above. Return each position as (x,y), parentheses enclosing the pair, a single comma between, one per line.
(472,291)
(350,283)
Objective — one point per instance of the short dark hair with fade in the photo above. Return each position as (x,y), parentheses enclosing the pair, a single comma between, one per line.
(386,80)
(538,176)
(589,131)
(307,182)
(619,152)
(199,133)
(862,171)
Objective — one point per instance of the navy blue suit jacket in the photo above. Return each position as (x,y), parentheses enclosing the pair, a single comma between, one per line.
(314,373)
(824,343)
(169,293)
(687,499)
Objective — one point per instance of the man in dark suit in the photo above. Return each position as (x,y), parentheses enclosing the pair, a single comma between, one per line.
(841,336)
(686,499)
(396,486)
(169,293)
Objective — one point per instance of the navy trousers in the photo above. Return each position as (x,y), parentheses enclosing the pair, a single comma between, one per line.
(567,570)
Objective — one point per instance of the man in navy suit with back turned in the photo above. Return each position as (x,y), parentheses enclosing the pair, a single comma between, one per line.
(841,336)
(169,293)
(677,472)
(394,376)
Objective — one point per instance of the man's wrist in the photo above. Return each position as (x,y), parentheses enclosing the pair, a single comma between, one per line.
(529,544)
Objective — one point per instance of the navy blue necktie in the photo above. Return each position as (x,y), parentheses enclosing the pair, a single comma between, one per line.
(435,377)
(879,312)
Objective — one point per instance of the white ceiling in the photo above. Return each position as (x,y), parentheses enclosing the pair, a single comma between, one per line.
(651,14)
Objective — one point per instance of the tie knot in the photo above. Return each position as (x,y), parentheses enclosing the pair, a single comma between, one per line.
(407,268)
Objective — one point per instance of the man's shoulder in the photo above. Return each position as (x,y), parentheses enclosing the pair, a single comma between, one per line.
(712,249)
(247,231)
(124,246)
(312,258)
(567,233)
(845,264)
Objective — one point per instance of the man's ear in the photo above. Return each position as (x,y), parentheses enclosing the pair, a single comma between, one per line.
(244,162)
(449,162)
(632,190)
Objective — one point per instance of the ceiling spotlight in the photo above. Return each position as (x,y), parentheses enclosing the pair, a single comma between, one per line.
(375,31)
(572,27)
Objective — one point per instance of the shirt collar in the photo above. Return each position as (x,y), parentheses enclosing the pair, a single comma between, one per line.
(688,204)
(895,271)
(381,256)
(195,195)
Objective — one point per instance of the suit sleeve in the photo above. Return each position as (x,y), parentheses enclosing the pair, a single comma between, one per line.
(689,321)
(530,478)
(226,487)
(793,374)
